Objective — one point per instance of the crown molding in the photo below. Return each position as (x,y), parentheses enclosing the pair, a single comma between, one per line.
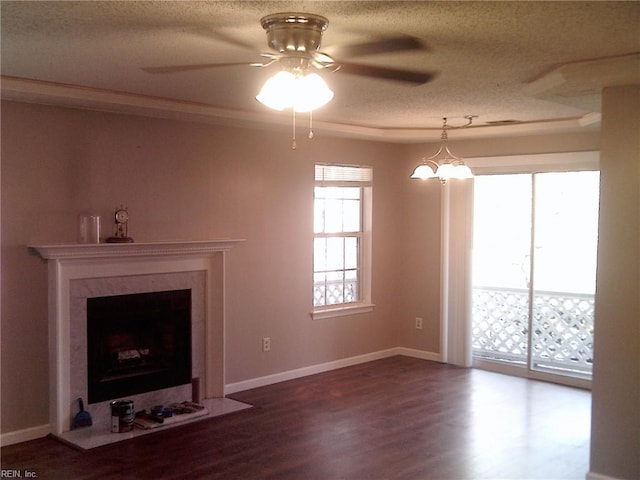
(65,95)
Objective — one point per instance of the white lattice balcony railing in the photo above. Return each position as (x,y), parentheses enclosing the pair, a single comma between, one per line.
(335,292)
(562,328)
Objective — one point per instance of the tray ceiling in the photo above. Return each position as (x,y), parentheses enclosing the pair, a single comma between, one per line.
(520,66)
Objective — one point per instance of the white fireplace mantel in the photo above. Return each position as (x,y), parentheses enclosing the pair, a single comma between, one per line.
(70,263)
(114,250)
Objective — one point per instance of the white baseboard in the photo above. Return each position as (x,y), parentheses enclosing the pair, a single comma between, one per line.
(424,355)
(599,476)
(43,430)
(325,367)
(306,371)
(25,435)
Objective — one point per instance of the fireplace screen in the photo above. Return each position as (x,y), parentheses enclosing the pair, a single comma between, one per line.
(138,343)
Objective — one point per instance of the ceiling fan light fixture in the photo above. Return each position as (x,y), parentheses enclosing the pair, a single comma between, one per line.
(312,92)
(294,32)
(303,93)
(275,93)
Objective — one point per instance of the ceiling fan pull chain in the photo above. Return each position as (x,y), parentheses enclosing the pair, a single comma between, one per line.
(310,123)
(293,140)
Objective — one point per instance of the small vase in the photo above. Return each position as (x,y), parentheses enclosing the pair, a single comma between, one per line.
(89,228)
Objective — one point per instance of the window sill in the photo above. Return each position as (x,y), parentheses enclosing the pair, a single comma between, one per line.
(340,311)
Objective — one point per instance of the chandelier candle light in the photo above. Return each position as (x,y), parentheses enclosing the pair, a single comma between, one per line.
(444,165)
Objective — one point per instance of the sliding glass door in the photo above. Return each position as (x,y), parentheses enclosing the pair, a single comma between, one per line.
(534,260)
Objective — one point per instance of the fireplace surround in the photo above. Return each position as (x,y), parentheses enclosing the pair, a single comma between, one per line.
(80,272)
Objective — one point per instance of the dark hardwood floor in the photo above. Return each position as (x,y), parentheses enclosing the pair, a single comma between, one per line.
(396,418)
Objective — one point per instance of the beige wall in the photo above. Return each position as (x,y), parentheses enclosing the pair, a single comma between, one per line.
(615,424)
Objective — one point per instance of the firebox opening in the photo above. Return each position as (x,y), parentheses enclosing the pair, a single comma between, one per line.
(138,343)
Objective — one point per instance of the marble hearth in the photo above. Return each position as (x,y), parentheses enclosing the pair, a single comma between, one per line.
(78,272)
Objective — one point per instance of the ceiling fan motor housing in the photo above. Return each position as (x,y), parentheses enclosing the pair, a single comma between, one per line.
(294,32)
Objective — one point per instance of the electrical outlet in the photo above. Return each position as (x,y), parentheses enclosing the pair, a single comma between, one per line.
(266,344)
(419,323)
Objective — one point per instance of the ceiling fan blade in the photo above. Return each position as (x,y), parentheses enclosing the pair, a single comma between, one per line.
(387,73)
(230,39)
(187,68)
(383,45)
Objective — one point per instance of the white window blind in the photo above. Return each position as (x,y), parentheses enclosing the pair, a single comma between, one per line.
(343,173)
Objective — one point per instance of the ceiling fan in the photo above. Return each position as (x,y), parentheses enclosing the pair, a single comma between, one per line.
(295,40)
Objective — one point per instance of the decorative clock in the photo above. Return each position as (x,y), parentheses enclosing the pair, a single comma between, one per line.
(121,218)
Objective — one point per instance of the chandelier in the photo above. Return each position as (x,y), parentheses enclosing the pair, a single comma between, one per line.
(444,165)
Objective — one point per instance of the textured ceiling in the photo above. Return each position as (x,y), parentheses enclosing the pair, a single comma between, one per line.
(503,61)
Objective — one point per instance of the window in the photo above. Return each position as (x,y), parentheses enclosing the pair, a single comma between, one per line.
(466,246)
(534,270)
(342,232)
